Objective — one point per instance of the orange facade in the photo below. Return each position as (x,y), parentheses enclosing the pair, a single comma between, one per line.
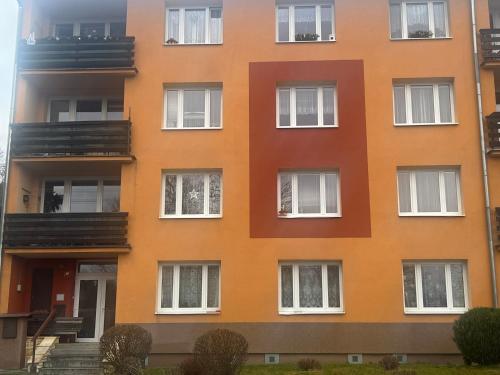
(248,240)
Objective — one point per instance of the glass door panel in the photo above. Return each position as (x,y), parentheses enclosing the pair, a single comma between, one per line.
(87,307)
(109,304)
(84,196)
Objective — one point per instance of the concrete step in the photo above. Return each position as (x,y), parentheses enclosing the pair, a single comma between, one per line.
(70,371)
(77,362)
(77,359)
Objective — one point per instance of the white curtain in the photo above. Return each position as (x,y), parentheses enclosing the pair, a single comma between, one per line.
(286,286)
(194,26)
(305,20)
(328,106)
(215,25)
(194,108)
(434,285)
(331,186)
(173,24)
(333,286)
(404,192)
(167,275)
(439,20)
(309,193)
(450,184)
(396,28)
(190,279)
(213,286)
(399,104)
(215,193)
(457,285)
(422,102)
(215,108)
(310,286)
(307,107)
(428,199)
(170,194)
(410,286)
(445,103)
(283,24)
(286,193)
(417,17)
(193,194)
(172,109)
(284,108)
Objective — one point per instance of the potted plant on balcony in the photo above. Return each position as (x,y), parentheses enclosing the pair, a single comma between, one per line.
(307,37)
(421,34)
(172,41)
(283,211)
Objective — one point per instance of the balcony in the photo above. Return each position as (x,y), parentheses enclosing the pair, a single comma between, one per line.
(490,45)
(77,53)
(493,122)
(86,138)
(65,230)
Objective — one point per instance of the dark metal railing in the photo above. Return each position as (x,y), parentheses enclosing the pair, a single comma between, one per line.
(490,44)
(111,138)
(77,53)
(65,230)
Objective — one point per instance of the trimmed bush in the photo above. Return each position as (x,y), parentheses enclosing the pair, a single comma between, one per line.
(477,335)
(125,349)
(190,367)
(389,362)
(308,364)
(220,352)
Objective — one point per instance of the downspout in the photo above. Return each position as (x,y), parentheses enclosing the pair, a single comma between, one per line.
(11,120)
(487,200)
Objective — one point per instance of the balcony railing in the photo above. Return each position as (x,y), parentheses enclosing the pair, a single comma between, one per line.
(493,122)
(87,138)
(77,53)
(490,44)
(65,230)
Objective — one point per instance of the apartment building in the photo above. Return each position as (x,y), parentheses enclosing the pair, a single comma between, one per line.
(307,173)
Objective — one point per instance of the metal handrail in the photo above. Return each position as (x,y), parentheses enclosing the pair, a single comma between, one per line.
(38,333)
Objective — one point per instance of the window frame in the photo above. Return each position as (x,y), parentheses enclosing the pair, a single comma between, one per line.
(323,214)
(430,12)
(293,106)
(66,205)
(178,200)
(437,104)
(420,309)
(77,25)
(175,309)
(291,22)
(442,193)
(73,105)
(296,309)
(180,107)
(182,21)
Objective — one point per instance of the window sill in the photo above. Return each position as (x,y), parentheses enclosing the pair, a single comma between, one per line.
(306,41)
(308,127)
(165,44)
(427,124)
(436,312)
(187,129)
(305,312)
(403,39)
(309,216)
(431,215)
(188,312)
(190,217)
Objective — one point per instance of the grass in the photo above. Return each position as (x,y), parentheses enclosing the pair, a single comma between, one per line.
(344,369)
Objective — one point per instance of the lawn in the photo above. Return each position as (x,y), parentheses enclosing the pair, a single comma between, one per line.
(337,369)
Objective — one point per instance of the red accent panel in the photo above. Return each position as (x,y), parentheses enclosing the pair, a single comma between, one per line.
(343,148)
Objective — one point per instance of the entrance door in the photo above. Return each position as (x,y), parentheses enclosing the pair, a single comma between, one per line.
(41,290)
(95,301)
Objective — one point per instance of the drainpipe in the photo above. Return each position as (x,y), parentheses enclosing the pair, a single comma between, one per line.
(11,120)
(487,203)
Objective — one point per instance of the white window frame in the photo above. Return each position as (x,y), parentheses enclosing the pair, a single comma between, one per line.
(180,107)
(430,12)
(291,22)
(437,103)
(77,25)
(297,310)
(175,309)
(66,206)
(178,191)
(182,19)
(442,192)
(420,309)
(295,202)
(293,107)
(72,106)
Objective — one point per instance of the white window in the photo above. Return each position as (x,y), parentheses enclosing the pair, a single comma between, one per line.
(192,194)
(308,194)
(424,104)
(200,25)
(193,108)
(310,288)
(87,29)
(298,107)
(429,192)
(188,288)
(419,19)
(305,23)
(89,109)
(439,288)
(80,195)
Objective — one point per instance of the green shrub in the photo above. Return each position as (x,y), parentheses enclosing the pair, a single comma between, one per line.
(389,362)
(477,335)
(125,348)
(308,364)
(190,367)
(221,352)
(405,372)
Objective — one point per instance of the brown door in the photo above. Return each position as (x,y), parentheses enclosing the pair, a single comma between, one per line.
(41,289)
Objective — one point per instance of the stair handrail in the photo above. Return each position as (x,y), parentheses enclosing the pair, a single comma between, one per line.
(40,330)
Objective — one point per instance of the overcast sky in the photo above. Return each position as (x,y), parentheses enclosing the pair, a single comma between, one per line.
(8,28)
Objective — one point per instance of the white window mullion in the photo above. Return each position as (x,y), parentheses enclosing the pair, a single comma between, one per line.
(207,25)
(175,287)
(207,108)
(418,284)
(296,287)
(291,23)
(178,195)
(322,193)
(413,192)
(318,20)
(452,103)
(437,104)
(100,192)
(321,121)
(409,110)
(206,198)
(181,24)
(442,193)
(107,29)
(335,106)
(324,279)
(293,107)
(404,21)
(432,28)
(204,287)
(180,109)
(295,194)
(449,292)
(459,191)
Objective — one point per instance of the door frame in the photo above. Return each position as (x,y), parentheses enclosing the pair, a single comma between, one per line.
(101,279)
